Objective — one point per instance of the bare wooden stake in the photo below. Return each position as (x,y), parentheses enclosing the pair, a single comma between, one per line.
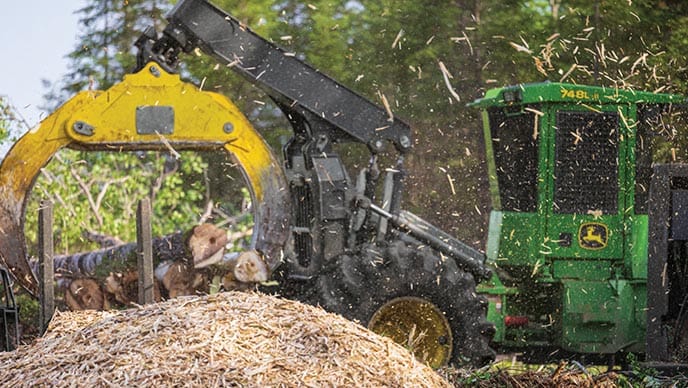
(46,272)
(144,241)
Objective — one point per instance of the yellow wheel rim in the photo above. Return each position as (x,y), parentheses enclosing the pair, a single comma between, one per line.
(417,325)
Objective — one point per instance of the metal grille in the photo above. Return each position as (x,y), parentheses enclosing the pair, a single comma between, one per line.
(648,117)
(586,165)
(515,151)
(303,240)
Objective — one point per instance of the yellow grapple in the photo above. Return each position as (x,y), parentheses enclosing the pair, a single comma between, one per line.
(148,110)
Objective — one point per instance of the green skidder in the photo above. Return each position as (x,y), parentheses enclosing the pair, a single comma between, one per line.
(571,180)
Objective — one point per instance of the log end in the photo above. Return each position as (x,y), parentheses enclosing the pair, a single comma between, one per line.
(207,243)
(85,294)
(251,268)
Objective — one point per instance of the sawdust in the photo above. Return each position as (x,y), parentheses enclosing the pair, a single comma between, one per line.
(226,339)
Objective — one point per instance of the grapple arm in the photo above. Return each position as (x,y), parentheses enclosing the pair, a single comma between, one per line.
(148,110)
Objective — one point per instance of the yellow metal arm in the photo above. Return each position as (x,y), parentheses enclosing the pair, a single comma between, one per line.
(149,110)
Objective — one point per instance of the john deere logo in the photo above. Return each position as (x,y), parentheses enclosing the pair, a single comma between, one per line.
(593,235)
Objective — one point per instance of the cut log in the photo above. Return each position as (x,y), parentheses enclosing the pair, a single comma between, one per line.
(118,259)
(244,271)
(123,288)
(207,243)
(202,245)
(85,294)
(184,265)
(94,280)
(181,279)
(251,268)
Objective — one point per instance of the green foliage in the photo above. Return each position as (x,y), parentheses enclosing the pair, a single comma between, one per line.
(644,376)
(11,124)
(100,191)
(29,315)
(105,51)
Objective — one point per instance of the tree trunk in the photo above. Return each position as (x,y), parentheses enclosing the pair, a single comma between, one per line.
(198,246)
(120,258)
(108,276)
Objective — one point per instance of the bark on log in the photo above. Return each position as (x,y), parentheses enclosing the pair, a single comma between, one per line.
(123,288)
(117,259)
(104,240)
(185,264)
(200,245)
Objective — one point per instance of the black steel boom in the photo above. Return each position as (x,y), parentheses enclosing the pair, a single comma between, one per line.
(327,106)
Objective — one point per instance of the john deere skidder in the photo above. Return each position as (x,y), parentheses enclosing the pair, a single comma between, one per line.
(584,239)
(588,241)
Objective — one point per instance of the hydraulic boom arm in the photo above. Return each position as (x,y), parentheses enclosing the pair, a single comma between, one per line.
(322,111)
(304,93)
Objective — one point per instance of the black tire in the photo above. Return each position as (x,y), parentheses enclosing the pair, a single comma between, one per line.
(357,286)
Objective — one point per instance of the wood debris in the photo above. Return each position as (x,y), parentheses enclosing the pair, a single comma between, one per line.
(447,76)
(225,339)
(398,38)
(521,48)
(388,109)
(569,379)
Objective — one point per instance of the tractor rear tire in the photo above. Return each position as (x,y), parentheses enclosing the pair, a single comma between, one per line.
(363,287)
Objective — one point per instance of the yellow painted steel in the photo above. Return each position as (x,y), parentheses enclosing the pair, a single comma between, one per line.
(18,171)
(151,110)
(199,121)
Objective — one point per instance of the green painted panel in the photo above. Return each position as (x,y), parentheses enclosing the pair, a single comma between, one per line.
(581,269)
(514,238)
(496,294)
(636,259)
(562,92)
(586,232)
(589,317)
(603,316)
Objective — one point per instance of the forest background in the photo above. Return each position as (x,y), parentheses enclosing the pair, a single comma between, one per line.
(429,59)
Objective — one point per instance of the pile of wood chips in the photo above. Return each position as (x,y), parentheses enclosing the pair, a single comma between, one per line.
(226,339)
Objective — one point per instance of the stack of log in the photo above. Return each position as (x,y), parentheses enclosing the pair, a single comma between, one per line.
(185,264)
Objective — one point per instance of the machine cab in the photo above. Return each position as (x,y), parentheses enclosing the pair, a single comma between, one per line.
(569,170)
